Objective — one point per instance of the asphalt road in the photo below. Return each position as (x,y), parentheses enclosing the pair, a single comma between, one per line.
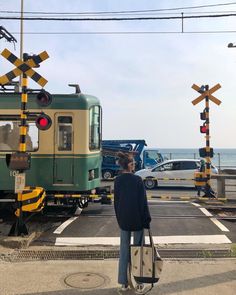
(173,222)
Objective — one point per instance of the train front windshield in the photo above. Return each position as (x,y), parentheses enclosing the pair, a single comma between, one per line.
(10,138)
(95,128)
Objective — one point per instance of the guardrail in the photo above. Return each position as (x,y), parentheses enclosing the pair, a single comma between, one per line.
(222,185)
(155,178)
(221,160)
(165,178)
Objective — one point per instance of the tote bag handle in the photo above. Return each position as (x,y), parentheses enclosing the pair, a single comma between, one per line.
(153,254)
(150,238)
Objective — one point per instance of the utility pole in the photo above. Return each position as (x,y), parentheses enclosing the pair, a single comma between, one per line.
(21,37)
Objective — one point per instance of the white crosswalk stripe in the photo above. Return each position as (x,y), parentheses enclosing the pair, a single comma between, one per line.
(115,241)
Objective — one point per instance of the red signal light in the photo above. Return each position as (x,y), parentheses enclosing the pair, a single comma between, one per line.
(203,129)
(43,122)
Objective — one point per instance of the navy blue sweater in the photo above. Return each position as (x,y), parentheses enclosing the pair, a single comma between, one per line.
(130,202)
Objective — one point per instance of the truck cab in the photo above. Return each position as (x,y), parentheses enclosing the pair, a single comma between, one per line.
(151,157)
(144,158)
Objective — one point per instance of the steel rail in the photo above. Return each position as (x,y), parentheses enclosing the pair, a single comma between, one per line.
(154,216)
(230,218)
(172,216)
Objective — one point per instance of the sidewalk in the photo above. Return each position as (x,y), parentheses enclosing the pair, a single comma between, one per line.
(64,277)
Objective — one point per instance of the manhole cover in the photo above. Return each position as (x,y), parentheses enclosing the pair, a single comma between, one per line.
(85,280)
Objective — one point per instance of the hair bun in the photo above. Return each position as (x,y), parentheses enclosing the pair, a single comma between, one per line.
(121,155)
(124,159)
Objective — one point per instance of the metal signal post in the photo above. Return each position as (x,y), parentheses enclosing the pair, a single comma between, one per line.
(19,226)
(206,152)
(28,199)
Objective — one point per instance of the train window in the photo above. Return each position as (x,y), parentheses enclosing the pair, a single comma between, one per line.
(65,133)
(65,119)
(94,128)
(10,138)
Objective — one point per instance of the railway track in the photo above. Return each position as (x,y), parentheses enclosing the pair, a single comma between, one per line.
(220,211)
(56,214)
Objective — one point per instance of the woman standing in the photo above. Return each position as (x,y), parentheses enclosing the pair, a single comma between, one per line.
(132,213)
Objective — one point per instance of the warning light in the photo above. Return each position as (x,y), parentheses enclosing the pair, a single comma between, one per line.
(43,122)
(202,89)
(203,153)
(203,129)
(43,98)
(203,115)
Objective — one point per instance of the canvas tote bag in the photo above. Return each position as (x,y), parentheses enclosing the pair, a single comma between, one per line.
(146,263)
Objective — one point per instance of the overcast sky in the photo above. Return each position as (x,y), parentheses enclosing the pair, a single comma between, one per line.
(142,80)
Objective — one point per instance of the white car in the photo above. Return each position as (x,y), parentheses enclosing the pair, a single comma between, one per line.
(165,173)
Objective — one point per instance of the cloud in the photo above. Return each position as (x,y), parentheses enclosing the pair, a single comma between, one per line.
(143,81)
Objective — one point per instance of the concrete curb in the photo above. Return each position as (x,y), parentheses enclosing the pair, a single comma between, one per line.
(112,252)
(19,249)
(17,242)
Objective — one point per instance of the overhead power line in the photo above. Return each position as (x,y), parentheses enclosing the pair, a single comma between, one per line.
(124,11)
(131,14)
(128,32)
(119,18)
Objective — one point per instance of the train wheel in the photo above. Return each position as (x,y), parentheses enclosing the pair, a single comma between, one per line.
(107,174)
(83,203)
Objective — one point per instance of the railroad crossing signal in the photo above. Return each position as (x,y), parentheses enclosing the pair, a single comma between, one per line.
(24,67)
(206,93)
(206,152)
(43,122)
(20,160)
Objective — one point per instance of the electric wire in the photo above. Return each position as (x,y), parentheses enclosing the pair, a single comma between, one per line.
(128,32)
(149,14)
(126,11)
(120,18)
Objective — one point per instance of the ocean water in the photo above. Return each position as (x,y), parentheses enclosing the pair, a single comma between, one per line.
(223,158)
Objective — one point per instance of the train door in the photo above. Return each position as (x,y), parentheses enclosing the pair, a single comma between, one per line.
(63,170)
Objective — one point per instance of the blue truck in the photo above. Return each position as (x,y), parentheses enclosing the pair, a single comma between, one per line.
(144,157)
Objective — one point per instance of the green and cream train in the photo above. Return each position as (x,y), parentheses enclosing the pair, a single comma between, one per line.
(66,158)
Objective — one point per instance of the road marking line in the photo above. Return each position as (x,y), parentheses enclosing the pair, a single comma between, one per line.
(168,202)
(60,228)
(214,220)
(115,241)
(195,204)
(219,224)
(206,212)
